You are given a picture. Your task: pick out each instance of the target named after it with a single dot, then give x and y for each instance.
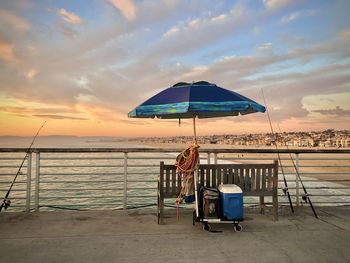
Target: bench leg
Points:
(262, 204)
(275, 207)
(160, 210)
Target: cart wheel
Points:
(206, 227)
(237, 228)
(194, 218)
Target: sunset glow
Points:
(84, 65)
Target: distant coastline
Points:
(321, 139)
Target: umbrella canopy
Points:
(199, 99)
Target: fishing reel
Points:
(285, 190)
(7, 203)
(305, 197)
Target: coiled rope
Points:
(186, 163)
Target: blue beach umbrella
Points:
(199, 99)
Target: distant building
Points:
(342, 142)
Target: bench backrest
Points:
(254, 179)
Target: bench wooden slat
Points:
(173, 182)
(201, 177)
(263, 181)
(253, 182)
(269, 179)
(235, 176)
(207, 177)
(167, 182)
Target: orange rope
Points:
(186, 163)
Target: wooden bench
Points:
(254, 179)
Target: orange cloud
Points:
(69, 17)
(7, 52)
(127, 7)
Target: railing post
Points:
(125, 193)
(297, 180)
(208, 158)
(37, 181)
(215, 158)
(29, 181)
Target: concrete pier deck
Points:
(134, 236)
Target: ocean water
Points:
(85, 181)
(82, 180)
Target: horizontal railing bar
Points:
(152, 158)
(142, 188)
(17, 198)
(323, 159)
(318, 166)
(11, 158)
(176, 150)
(17, 182)
(11, 174)
(317, 180)
(80, 174)
(142, 196)
(142, 181)
(79, 197)
(143, 165)
(13, 190)
(321, 187)
(81, 205)
(81, 189)
(77, 182)
(95, 196)
(250, 159)
(335, 173)
(138, 173)
(324, 194)
(81, 158)
(79, 166)
(12, 166)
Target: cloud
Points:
(103, 70)
(32, 110)
(14, 21)
(344, 36)
(7, 52)
(290, 17)
(276, 4)
(296, 15)
(172, 31)
(31, 74)
(59, 117)
(126, 7)
(67, 31)
(192, 35)
(338, 111)
(69, 17)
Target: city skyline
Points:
(83, 67)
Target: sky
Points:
(83, 65)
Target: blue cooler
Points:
(231, 199)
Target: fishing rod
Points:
(306, 196)
(6, 202)
(285, 189)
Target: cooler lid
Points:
(229, 189)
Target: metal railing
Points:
(111, 178)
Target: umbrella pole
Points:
(195, 174)
(194, 130)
